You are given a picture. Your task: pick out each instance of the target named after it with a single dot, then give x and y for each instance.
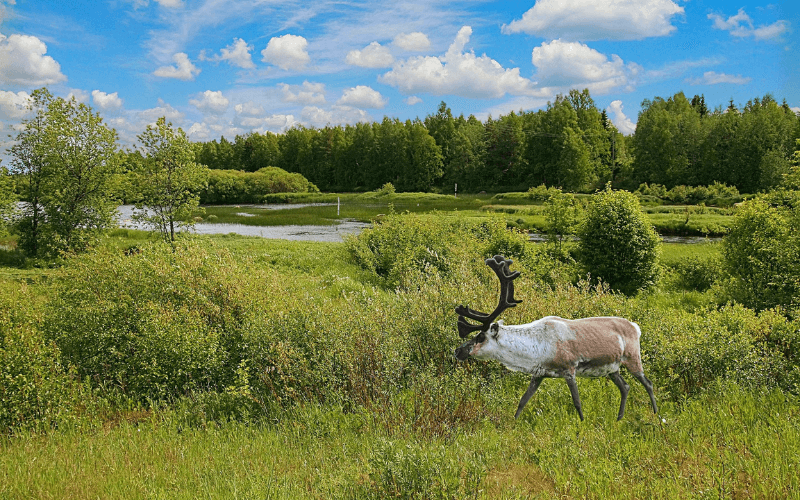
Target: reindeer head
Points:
(487, 329)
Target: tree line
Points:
(570, 144)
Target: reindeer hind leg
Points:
(648, 387)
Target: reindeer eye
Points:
(480, 338)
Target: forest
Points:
(570, 144)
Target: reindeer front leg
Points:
(535, 381)
(573, 389)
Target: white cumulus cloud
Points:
(713, 78)
(362, 96)
(212, 102)
(288, 52)
(575, 65)
(151, 115)
(23, 62)
(597, 19)
(741, 25)
(307, 93)
(106, 102)
(79, 95)
(319, 117)
(618, 118)
(237, 54)
(458, 73)
(182, 70)
(272, 123)
(412, 100)
(416, 41)
(373, 55)
(13, 106)
(249, 108)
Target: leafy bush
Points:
(542, 193)
(155, 324)
(686, 352)
(35, 391)
(400, 245)
(618, 244)
(716, 194)
(236, 186)
(409, 471)
(695, 273)
(761, 253)
(387, 189)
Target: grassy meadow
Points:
(239, 367)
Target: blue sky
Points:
(225, 67)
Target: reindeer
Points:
(553, 347)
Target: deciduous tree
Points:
(169, 179)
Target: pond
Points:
(330, 233)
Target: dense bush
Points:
(400, 470)
(236, 186)
(35, 391)
(154, 324)
(542, 193)
(686, 352)
(762, 255)
(617, 243)
(400, 245)
(714, 194)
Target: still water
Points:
(332, 233)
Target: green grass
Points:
(727, 443)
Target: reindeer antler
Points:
(499, 265)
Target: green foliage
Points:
(762, 255)
(68, 158)
(399, 246)
(690, 351)
(154, 324)
(8, 200)
(542, 192)
(168, 179)
(235, 186)
(714, 194)
(403, 470)
(696, 273)
(561, 217)
(618, 245)
(35, 392)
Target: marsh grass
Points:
(516, 209)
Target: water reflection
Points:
(331, 233)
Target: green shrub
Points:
(618, 245)
(154, 324)
(236, 186)
(542, 193)
(696, 273)
(410, 471)
(36, 393)
(400, 245)
(761, 253)
(687, 352)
